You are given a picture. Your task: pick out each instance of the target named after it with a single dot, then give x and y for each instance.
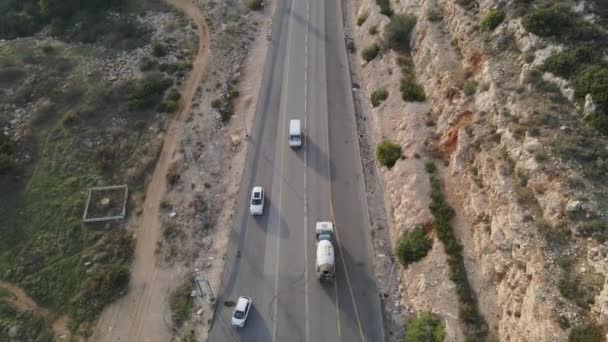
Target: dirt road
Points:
(21, 301)
(143, 314)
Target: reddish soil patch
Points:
(449, 138)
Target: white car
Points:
(256, 206)
(241, 311)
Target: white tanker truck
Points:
(326, 261)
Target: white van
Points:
(295, 133)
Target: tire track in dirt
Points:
(143, 314)
(23, 302)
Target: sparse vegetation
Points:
(429, 166)
(468, 311)
(385, 7)
(412, 91)
(491, 20)
(388, 153)
(435, 14)
(397, 32)
(7, 150)
(370, 52)
(149, 92)
(181, 303)
(30, 327)
(373, 30)
(69, 118)
(254, 5)
(468, 4)
(361, 18)
(470, 88)
(426, 327)
(596, 228)
(586, 333)
(559, 22)
(158, 49)
(413, 246)
(378, 96)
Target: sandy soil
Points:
(24, 303)
(143, 315)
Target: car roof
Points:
(241, 303)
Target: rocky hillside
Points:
(509, 99)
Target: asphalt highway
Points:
(272, 257)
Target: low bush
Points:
(158, 49)
(174, 95)
(378, 96)
(385, 7)
(491, 20)
(559, 22)
(435, 14)
(566, 63)
(373, 30)
(470, 88)
(429, 166)
(426, 327)
(388, 153)
(413, 246)
(361, 18)
(69, 118)
(370, 52)
(397, 32)
(595, 228)
(107, 283)
(168, 106)
(147, 64)
(254, 5)
(468, 4)
(411, 91)
(586, 333)
(149, 92)
(594, 80)
(7, 150)
(181, 303)
(572, 288)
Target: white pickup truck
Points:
(326, 261)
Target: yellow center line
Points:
(282, 141)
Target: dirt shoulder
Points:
(143, 313)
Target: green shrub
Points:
(586, 333)
(429, 166)
(385, 7)
(491, 20)
(559, 22)
(370, 52)
(411, 91)
(397, 32)
(254, 5)
(233, 93)
(435, 14)
(147, 64)
(427, 327)
(158, 49)
(575, 289)
(373, 30)
(168, 106)
(467, 4)
(69, 118)
(413, 246)
(595, 228)
(388, 153)
(378, 96)
(149, 92)
(107, 283)
(566, 63)
(594, 80)
(361, 18)
(181, 303)
(174, 95)
(470, 88)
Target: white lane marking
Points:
(282, 115)
(305, 174)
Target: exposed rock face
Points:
(491, 165)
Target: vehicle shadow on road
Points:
(317, 159)
(302, 21)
